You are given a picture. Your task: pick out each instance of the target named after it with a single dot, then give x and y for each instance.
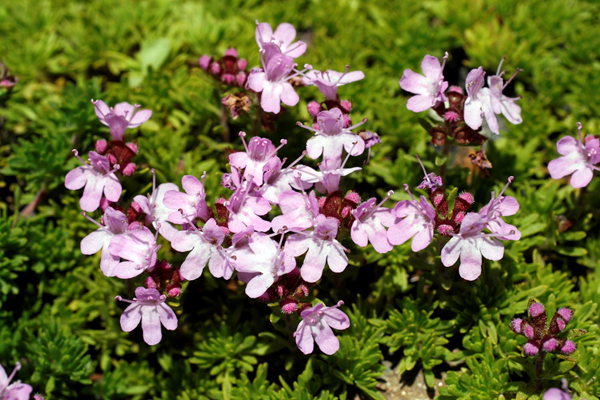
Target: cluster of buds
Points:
(7, 80)
(462, 113)
(288, 293)
(229, 69)
(162, 277)
(541, 337)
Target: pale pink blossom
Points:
(148, 306)
(429, 89)
(97, 177)
(479, 102)
(417, 222)
(115, 223)
(330, 80)
(15, 390)
(254, 160)
(370, 220)
(245, 208)
(139, 248)
(121, 117)
(281, 41)
(578, 159)
(316, 326)
(188, 205)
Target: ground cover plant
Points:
(296, 200)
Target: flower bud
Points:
(129, 169)
(241, 78)
(565, 313)
(231, 52)
(536, 309)
(301, 291)
(289, 306)
(451, 117)
(528, 331)
(104, 204)
(150, 283)
(242, 64)
(281, 291)
(568, 348)
(455, 89)
(313, 108)
(445, 229)
(515, 325)
(112, 159)
(466, 196)
(458, 217)
(530, 349)
(132, 146)
(204, 62)
(550, 345)
(353, 197)
(228, 79)
(215, 68)
(346, 105)
(347, 121)
(101, 146)
(346, 211)
(265, 297)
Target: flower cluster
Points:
(541, 337)
(7, 80)
(281, 258)
(462, 113)
(579, 158)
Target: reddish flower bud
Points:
(568, 348)
(565, 313)
(313, 108)
(346, 105)
(445, 229)
(455, 89)
(215, 68)
(101, 146)
(241, 78)
(550, 345)
(353, 197)
(347, 121)
(515, 325)
(530, 349)
(231, 52)
(528, 331)
(458, 217)
(129, 169)
(132, 146)
(301, 291)
(536, 309)
(204, 62)
(289, 306)
(112, 159)
(451, 117)
(228, 79)
(150, 283)
(104, 204)
(467, 197)
(242, 64)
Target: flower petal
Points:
(131, 317)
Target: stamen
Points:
(500, 66)
(389, 194)
(76, 154)
(116, 167)
(296, 161)
(341, 76)
(119, 298)
(512, 77)
(579, 126)
(91, 219)
(283, 143)
(190, 222)
(94, 102)
(443, 65)
(301, 125)
(423, 167)
(242, 135)
(357, 125)
(154, 194)
(136, 108)
(348, 155)
(12, 374)
(510, 179)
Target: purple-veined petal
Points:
(131, 317)
(325, 338)
(151, 325)
(77, 177)
(304, 339)
(167, 316)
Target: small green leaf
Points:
(572, 251)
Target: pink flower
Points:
(429, 89)
(479, 102)
(577, 159)
(115, 223)
(330, 80)
(369, 225)
(16, 390)
(266, 261)
(157, 213)
(97, 177)
(299, 211)
(418, 221)
(273, 83)
(328, 179)
(322, 248)
(331, 137)
(501, 103)
(139, 248)
(192, 203)
(121, 117)
(470, 244)
(501, 206)
(279, 41)
(556, 394)
(316, 326)
(149, 307)
(277, 180)
(254, 160)
(205, 248)
(245, 207)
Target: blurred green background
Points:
(58, 315)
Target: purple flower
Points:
(16, 390)
(328, 81)
(331, 137)
(577, 159)
(157, 213)
(148, 306)
(328, 179)
(191, 204)
(316, 326)
(501, 206)
(429, 89)
(431, 181)
(97, 177)
(418, 221)
(254, 160)
(322, 248)
(115, 223)
(205, 247)
(370, 220)
(279, 41)
(501, 103)
(273, 83)
(266, 260)
(278, 180)
(470, 244)
(121, 117)
(245, 206)
(479, 102)
(299, 211)
(139, 248)
(556, 394)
